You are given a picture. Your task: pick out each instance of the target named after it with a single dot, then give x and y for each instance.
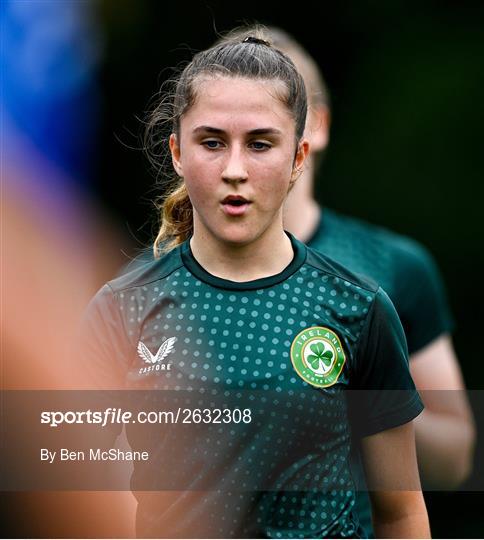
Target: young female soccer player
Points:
(236, 306)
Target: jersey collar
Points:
(197, 270)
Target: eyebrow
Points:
(218, 131)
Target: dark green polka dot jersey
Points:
(289, 352)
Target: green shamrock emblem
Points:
(319, 355)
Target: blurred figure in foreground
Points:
(56, 244)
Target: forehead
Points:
(240, 101)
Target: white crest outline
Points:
(165, 349)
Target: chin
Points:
(238, 232)
(237, 239)
(237, 236)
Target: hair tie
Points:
(251, 39)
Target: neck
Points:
(301, 211)
(265, 256)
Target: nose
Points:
(235, 169)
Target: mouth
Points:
(235, 205)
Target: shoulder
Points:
(120, 306)
(146, 271)
(330, 267)
(402, 249)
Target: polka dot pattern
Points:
(230, 342)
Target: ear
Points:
(301, 154)
(175, 155)
(317, 129)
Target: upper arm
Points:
(101, 348)
(382, 469)
(392, 476)
(437, 375)
(101, 354)
(383, 413)
(435, 367)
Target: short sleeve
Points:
(420, 298)
(101, 348)
(101, 352)
(385, 395)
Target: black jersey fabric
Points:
(288, 473)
